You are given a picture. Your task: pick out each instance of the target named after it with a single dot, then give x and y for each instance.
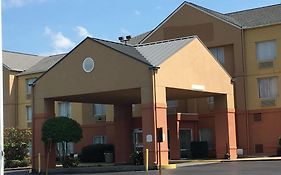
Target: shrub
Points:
(95, 152)
(61, 130)
(17, 163)
(199, 150)
(16, 143)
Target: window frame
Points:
(28, 120)
(268, 90)
(28, 88)
(262, 42)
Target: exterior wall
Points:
(9, 100)
(23, 100)
(266, 131)
(214, 33)
(253, 71)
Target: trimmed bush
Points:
(17, 163)
(199, 150)
(95, 152)
(16, 145)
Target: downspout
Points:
(16, 101)
(245, 89)
(33, 158)
(154, 71)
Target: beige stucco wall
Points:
(194, 65)
(253, 71)
(214, 33)
(9, 100)
(23, 100)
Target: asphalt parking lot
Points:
(225, 168)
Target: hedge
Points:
(95, 152)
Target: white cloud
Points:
(137, 12)
(59, 42)
(19, 3)
(82, 32)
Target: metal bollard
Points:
(39, 163)
(146, 159)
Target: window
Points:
(211, 102)
(206, 134)
(28, 83)
(64, 109)
(266, 51)
(28, 114)
(99, 111)
(268, 87)
(218, 53)
(99, 140)
(172, 106)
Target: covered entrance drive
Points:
(104, 72)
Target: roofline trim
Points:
(259, 26)
(97, 40)
(176, 10)
(34, 83)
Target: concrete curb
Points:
(254, 159)
(80, 170)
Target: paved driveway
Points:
(227, 168)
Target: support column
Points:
(225, 129)
(174, 127)
(154, 115)
(123, 132)
(42, 111)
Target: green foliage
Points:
(61, 129)
(95, 152)
(16, 143)
(17, 163)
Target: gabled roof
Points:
(152, 54)
(43, 65)
(16, 61)
(251, 18)
(258, 17)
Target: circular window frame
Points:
(86, 67)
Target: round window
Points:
(88, 64)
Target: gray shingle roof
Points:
(152, 54)
(258, 17)
(137, 39)
(19, 61)
(43, 65)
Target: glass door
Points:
(185, 143)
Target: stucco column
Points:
(225, 129)
(154, 115)
(42, 110)
(123, 132)
(174, 127)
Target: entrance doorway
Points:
(185, 143)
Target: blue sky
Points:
(54, 26)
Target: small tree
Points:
(16, 145)
(61, 130)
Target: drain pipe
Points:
(154, 70)
(245, 89)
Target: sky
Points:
(47, 27)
